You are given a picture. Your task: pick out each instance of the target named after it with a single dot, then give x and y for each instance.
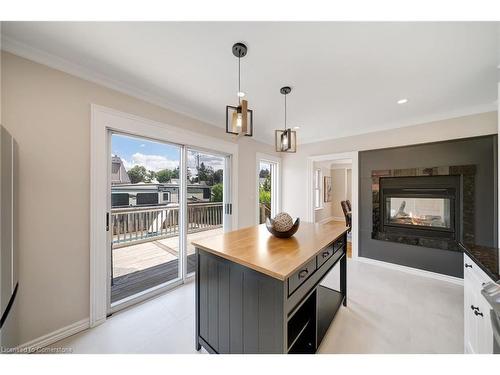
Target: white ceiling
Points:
(346, 77)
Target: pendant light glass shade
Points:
(239, 119)
(285, 139)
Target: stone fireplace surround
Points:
(467, 172)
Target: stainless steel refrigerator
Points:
(9, 286)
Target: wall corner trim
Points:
(52, 337)
(411, 270)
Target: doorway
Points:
(162, 197)
(333, 188)
(153, 216)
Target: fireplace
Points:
(421, 206)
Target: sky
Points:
(156, 156)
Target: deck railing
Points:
(142, 224)
(264, 212)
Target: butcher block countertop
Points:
(256, 248)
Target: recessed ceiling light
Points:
(296, 127)
(241, 94)
(402, 101)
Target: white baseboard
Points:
(52, 337)
(327, 219)
(338, 218)
(414, 271)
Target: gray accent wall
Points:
(480, 151)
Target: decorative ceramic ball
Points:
(282, 222)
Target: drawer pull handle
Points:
(468, 265)
(325, 254)
(474, 308)
(478, 313)
(303, 274)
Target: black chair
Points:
(347, 214)
(349, 205)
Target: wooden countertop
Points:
(256, 248)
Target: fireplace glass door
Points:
(419, 212)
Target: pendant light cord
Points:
(239, 80)
(285, 111)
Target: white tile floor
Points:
(388, 312)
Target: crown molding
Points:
(15, 47)
(34, 54)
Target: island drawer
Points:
(338, 243)
(324, 255)
(301, 275)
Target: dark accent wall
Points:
(479, 151)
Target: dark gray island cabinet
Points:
(259, 294)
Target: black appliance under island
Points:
(256, 293)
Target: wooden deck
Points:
(132, 283)
(142, 266)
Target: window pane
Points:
(265, 191)
(144, 220)
(205, 196)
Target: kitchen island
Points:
(256, 293)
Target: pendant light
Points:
(286, 139)
(239, 119)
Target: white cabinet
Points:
(478, 334)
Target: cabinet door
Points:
(484, 330)
(470, 327)
(478, 334)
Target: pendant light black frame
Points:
(287, 133)
(230, 109)
(239, 50)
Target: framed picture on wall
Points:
(327, 188)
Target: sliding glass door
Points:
(206, 192)
(162, 197)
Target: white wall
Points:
(295, 165)
(349, 184)
(48, 112)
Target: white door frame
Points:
(104, 119)
(276, 185)
(354, 186)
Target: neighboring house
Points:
(150, 194)
(119, 174)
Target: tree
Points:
(266, 185)
(265, 197)
(138, 173)
(165, 175)
(150, 176)
(217, 192)
(175, 173)
(205, 174)
(265, 191)
(218, 176)
(264, 173)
